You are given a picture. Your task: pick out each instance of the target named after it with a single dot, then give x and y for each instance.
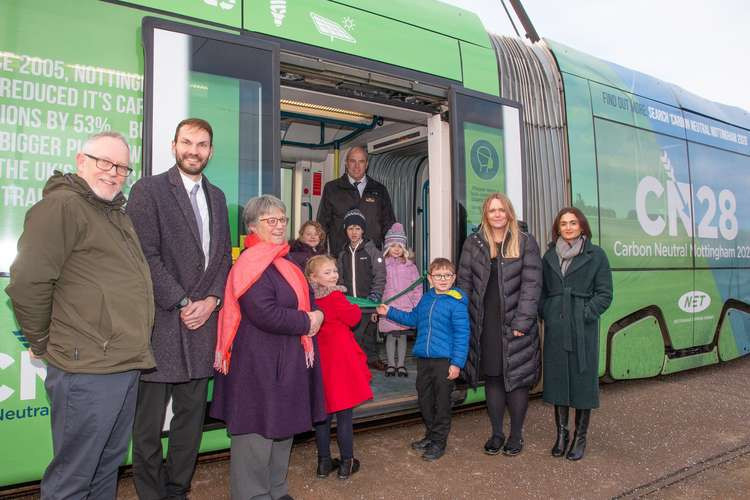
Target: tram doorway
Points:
(317, 131)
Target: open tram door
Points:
(487, 157)
(230, 81)
(486, 135)
(408, 152)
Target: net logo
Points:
(694, 301)
(680, 204)
(222, 4)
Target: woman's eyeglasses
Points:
(274, 221)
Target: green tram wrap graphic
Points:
(666, 192)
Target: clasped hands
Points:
(196, 313)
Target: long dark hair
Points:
(582, 221)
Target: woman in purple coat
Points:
(273, 387)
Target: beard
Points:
(187, 168)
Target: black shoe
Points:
(433, 452)
(326, 465)
(578, 446)
(347, 467)
(286, 497)
(512, 449)
(422, 444)
(402, 371)
(563, 435)
(494, 444)
(390, 371)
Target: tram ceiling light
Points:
(320, 111)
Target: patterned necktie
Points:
(196, 211)
(356, 186)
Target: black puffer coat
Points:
(520, 287)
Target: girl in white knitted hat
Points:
(400, 273)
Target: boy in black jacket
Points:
(362, 272)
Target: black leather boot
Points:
(579, 438)
(563, 435)
(347, 467)
(326, 465)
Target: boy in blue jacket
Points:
(442, 322)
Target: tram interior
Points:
(314, 125)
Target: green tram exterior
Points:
(661, 174)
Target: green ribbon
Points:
(366, 303)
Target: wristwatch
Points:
(184, 302)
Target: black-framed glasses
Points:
(443, 277)
(107, 165)
(273, 221)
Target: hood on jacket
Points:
(454, 292)
(76, 184)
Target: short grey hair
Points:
(111, 134)
(259, 206)
(351, 150)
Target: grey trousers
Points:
(92, 418)
(258, 467)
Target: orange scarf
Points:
(245, 272)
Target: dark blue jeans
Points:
(92, 418)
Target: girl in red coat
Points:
(346, 378)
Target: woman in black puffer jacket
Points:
(501, 272)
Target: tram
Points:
(448, 113)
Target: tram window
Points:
(485, 138)
(232, 84)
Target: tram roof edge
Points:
(432, 15)
(605, 72)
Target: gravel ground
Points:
(663, 437)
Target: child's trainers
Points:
(433, 452)
(422, 444)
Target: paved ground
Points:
(728, 480)
(681, 436)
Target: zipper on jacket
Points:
(429, 325)
(353, 251)
(75, 354)
(139, 263)
(502, 315)
(105, 345)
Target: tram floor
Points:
(680, 436)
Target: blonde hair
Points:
(510, 246)
(406, 256)
(318, 229)
(315, 262)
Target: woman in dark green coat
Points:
(577, 289)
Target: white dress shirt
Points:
(361, 185)
(200, 198)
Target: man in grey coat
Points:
(183, 225)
